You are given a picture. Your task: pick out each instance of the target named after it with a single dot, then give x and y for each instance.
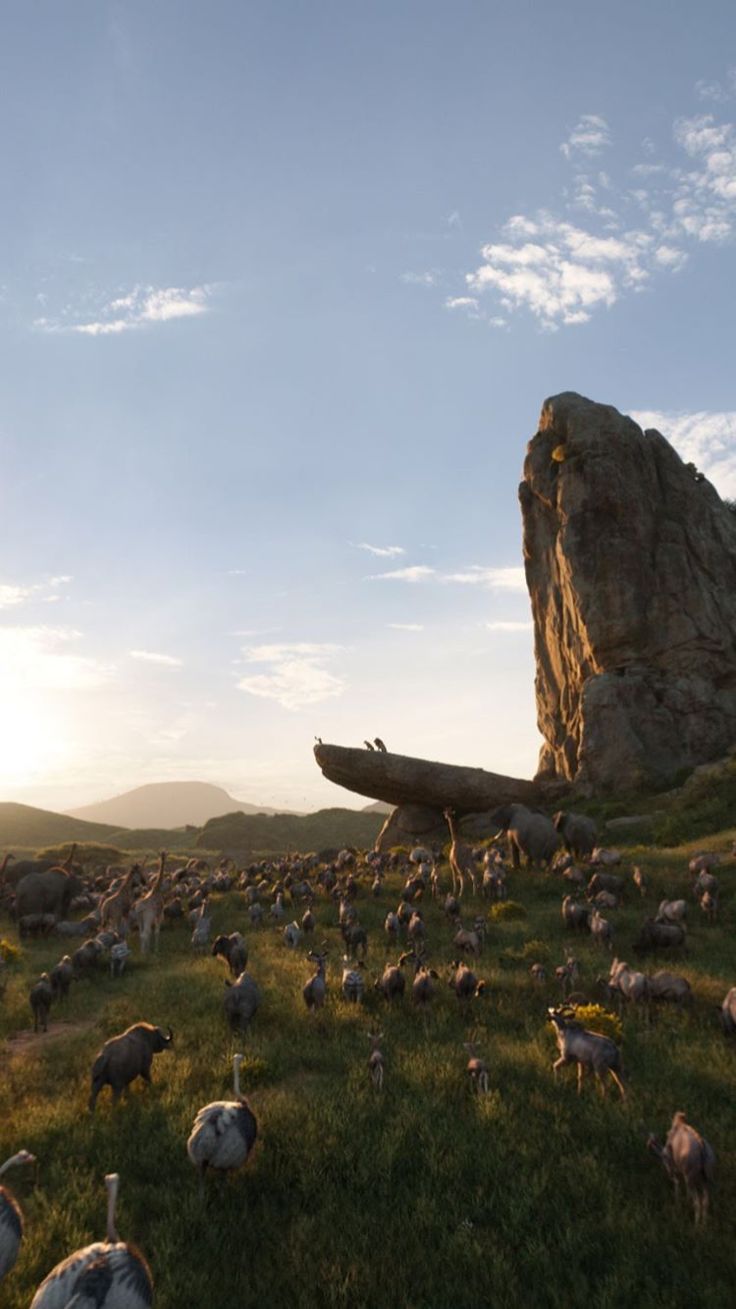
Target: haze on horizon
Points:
(284, 287)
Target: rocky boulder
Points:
(630, 558)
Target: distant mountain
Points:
(378, 807)
(167, 804)
(24, 825)
(281, 833)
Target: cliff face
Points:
(630, 559)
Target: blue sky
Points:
(282, 282)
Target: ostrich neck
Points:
(112, 1195)
(236, 1080)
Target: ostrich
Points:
(461, 857)
(11, 1216)
(224, 1132)
(108, 1274)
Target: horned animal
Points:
(589, 1050)
(686, 1156)
(315, 990)
(125, 1057)
(233, 950)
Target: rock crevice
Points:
(630, 559)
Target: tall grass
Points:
(422, 1197)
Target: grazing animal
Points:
(669, 988)
(579, 834)
(422, 987)
(709, 905)
(601, 930)
(292, 935)
(202, 928)
(376, 1061)
(464, 982)
(529, 833)
(61, 977)
(659, 936)
(242, 998)
(224, 1131)
(728, 1012)
(471, 942)
(124, 1058)
(639, 880)
(41, 998)
(149, 910)
(687, 1156)
(671, 911)
(353, 983)
(108, 1274)
(605, 882)
(85, 958)
(477, 1069)
(589, 1050)
(567, 975)
(11, 1215)
(575, 915)
(233, 950)
(606, 858)
(628, 984)
(315, 990)
(379, 744)
(369, 745)
(119, 955)
(461, 859)
(392, 984)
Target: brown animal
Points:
(462, 863)
(686, 1156)
(125, 1057)
(149, 910)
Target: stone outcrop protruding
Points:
(401, 780)
(630, 558)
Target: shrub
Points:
(598, 1019)
(507, 910)
(9, 953)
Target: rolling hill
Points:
(283, 832)
(24, 825)
(166, 805)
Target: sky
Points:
(283, 287)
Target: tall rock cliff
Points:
(630, 559)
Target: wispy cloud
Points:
(154, 657)
(406, 627)
(504, 579)
(716, 91)
(501, 579)
(382, 551)
(141, 307)
(589, 137)
(295, 674)
(414, 573)
(20, 593)
(705, 438)
(40, 658)
(508, 626)
(429, 278)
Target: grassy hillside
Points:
(421, 1197)
(24, 825)
(283, 832)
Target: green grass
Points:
(422, 1197)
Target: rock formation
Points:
(630, 558)
(401, 780)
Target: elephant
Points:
(49, 892)
(578, 833)
(530, 833)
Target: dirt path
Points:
(25, 1040)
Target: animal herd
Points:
(327, 890)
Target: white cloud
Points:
(502, 579)
(14, 593)
(296, 675)
(153, 657)
(141, 307)
(38, 658)
(705, 438)
(420, 279)
(562, 272)
(589, 137)
(719, 92)
(415, 573)
(407, 627)
(508, 627)
(382, 551)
